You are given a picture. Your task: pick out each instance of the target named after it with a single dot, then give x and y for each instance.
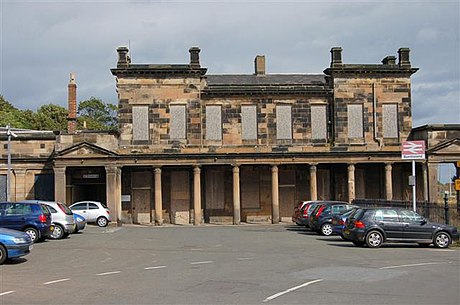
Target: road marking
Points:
(410, 265)
(245, 258)
(156, 267)
(291, 290)
(200, 263)
(442, 250)
(6, 292)
(56, 281)
(108, 273)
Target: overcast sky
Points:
(43, 41)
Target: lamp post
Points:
(9, 133)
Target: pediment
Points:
(446, 148)
(85, 150)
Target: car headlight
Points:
(19, 240)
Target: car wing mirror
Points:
(423, 221)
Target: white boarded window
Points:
(355, 121)
(177, 124)
(140, 123)
(390, 121)
(249, 122)
(318, 122)
(213, 123)
(283, 122)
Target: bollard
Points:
(446, 207)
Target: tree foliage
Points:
(96, 115)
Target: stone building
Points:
(196, 148)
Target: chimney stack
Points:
(123, 58)
(72, 99)
(389, 61)
(336, 57)
(195, 57)
(259, 65)
(404, 57)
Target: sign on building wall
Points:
(413, 150)
(457, 184)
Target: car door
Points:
(13, 216)
(81, 209)
(93, 211)
(415, 226)
(388, 220)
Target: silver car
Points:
(61, 217)
(93, 211)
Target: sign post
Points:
(413, 150)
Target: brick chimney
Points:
(72, 98)
(259, 65)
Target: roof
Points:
(266, 79)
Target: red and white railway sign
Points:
(413, 150)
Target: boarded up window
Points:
(215, 190)
(249, 122)
(140, 123)
(213, 123)
(390, 121)
(283, 122)
(177, 125)
(355, 121)
(250, 189)
(44, 187)
(318, 122)
(2, 188)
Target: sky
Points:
(42, 42)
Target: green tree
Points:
(97, 115)
(49, 117)
(9, 115)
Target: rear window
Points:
(45, 209)
(358, 214)
(65, 209)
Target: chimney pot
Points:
(195, 57)
(259, 65)
(404, 57)
(336, 57)
(123, 58)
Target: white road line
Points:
(108, 273)
(200, 263)
(156, 267)
(56, 281)
(410, 265)
(6, 292)
(291, 290)
(245, 258)
(442, 250)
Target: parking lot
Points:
(211, 264)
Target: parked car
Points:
(14, 244)
(298, 211)
(80, 222)
(93, 211)
(30, 217)
(305, 212)
(339, 222)
(375, 226)
(61, 217)
(321, 217)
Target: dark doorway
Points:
(87, 183)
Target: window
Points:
(318, 122)
(79, 207)
(249, 122)
(92, 206)
(390, 120)
(214, 123)
(44, 187)
(386, 215)
(355, 121)
(178, 123)
(2, 187)
(52, 210)
(283, 122)
(410, 216)
(140, 123)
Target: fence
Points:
(432, 211)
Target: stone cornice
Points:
(158, 70)
(348, 69)
(255, 90)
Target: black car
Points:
(374, 226)
(321, 217)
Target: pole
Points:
(414, 195)
(8, 176)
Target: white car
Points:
(93, 211)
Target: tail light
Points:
(320, 210)
(359, 224)
(108, 211)
(42, 218)
(305, 211)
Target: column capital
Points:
(235, 169)
(274, 168)
(111, 169)
(59, 170)
(388, 166)
(157, 170)
(19, 171)
(313, 167)
(197, 169)
(351, 166)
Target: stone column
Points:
(113, 191)
(275, 196)
(313, 183)
(60, 184)
(20, 185)
(433, 177)
(197, 195)
(388, 181)
(425, 181)
(351, 182)
(236, 196)
(158, 198)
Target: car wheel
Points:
(58, 232)
(33, 233)
(102, 221)
(442, 240)
(3, 254)
(374, 239)
(326, 229)
(358, 243)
